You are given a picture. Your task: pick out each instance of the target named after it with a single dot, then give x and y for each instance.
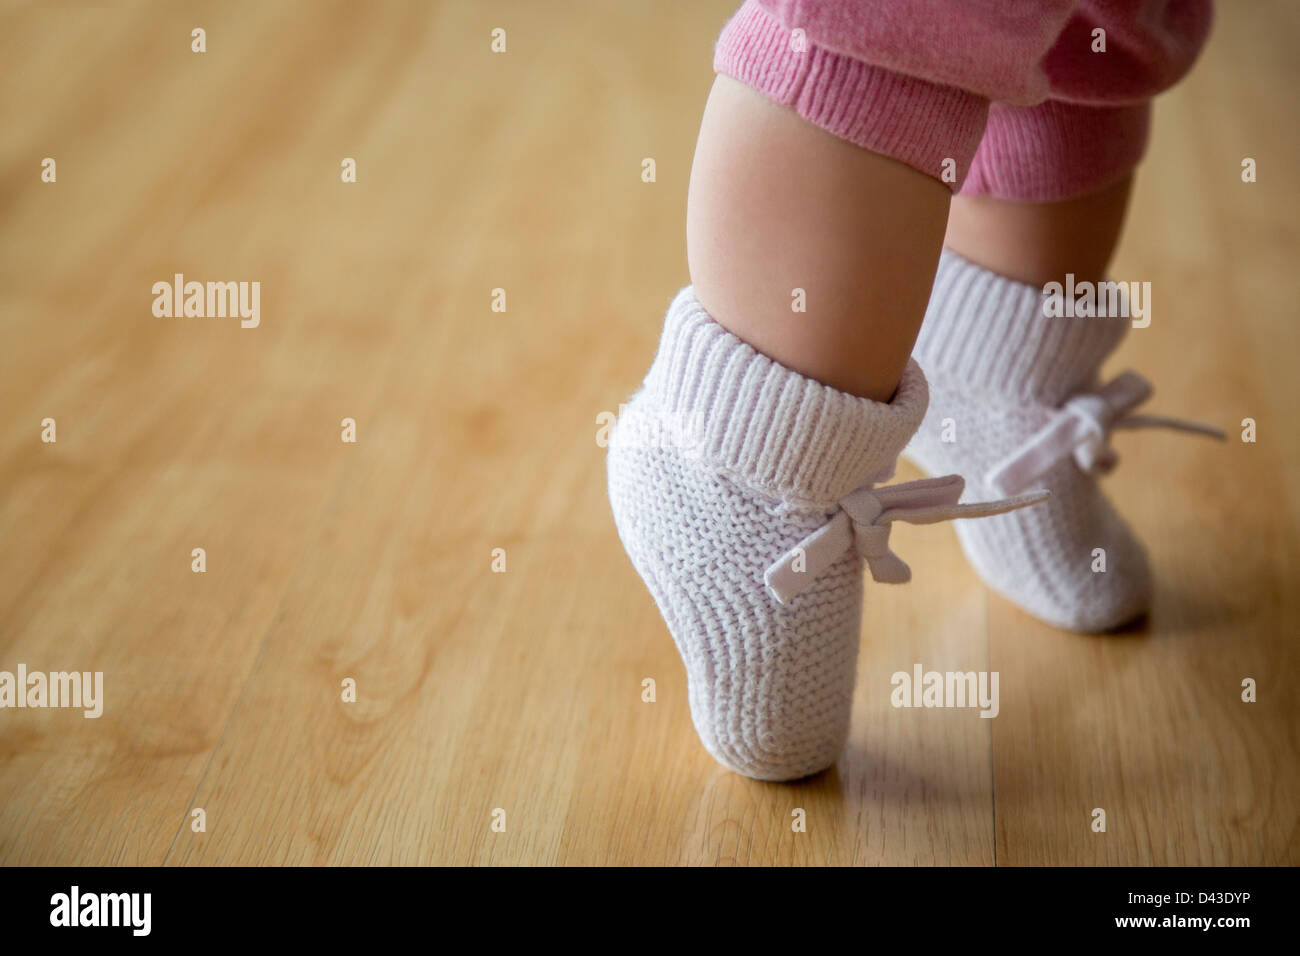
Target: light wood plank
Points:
(477, 430)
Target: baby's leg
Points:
(1003, 368)
(742, 474)
(1040, 242)
(783, 384)
(816, 252)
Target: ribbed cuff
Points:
(913, 121)
(768, 426)
(988, 335)
(1056, 150)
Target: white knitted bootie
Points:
(744, 495)
(1015, 403)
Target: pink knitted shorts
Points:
(1019, 99)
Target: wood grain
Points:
(477, 430)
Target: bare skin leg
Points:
(1039, 242)
(777, 204)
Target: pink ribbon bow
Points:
(863, 522)
(1082, 427)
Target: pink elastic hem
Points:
(913, 121)
(1055, 151)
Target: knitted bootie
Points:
(744, 494)
(1015, 403)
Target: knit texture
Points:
(917, 81)
(1056, 151)
(914, 121)
(1000, 370)
(1013, 51)
(721, 463)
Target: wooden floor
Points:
(476, 429)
